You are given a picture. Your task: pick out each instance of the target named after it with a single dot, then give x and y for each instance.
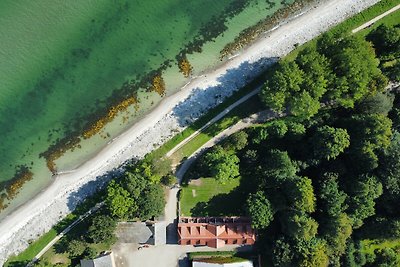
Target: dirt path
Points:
(260, 117)
(213, 120)
(372, 21)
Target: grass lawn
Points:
(251, 106)
(207, 191)
(371, 245)
(26, 256)
(161, 151)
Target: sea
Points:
(62, 63)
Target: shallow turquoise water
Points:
(61, 61)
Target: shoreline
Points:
(172, 113)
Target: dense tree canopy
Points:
(102, 229)
(329, 142)
(260, 210)
(222, 164)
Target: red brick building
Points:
(215, 231)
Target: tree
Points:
(362, 199)
(386, 257)
(284, 81)
(169, 180)
(386, 40)
(354, 66)
(222, 165)
(380, 103)
(236, 141)
(300, 193)
(278, 165)
(260, 210)
(331, 200)
(282, 253)
(369, 134)
(299, 226)
(151, 203)
(277, 128)
(313, 253)
(337, 232)
(90, 253)
(329, 142)
(304, 105)
(317, 72)
(102, 229)
(75, 248)
(118, 201)
(389, 169)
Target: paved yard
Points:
(162, 256)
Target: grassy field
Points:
(207, 191)
(371, 245)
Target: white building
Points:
(199, 263)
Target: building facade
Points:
(215, 232)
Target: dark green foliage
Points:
(236, 141)
(102, 229)
(169, 180)
(362, 199)
(380, 103)
(278, 165)
(389, 170)
(313, 253)
(386, 258)
(260, 210)
(282, 253)
(89, 253)
(300, 193)
(370, 134)
(299, 226)
(329, 142)
(119, 201)
(76, 247)
(386, 40)
(341, 70)
(136, 194)
(221, 164)
(151, 203)
(331, 200)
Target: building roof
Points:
(102, 261)
(233, 264)
(215, 231)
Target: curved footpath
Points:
(172, 115)
(259, 117)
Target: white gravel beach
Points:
(170, 116)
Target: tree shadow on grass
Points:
(17, 264)
(229, 204)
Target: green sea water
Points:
(63, 61)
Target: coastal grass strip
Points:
(247, 108)
(22, 259)
(162, 150)
(27, 255)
